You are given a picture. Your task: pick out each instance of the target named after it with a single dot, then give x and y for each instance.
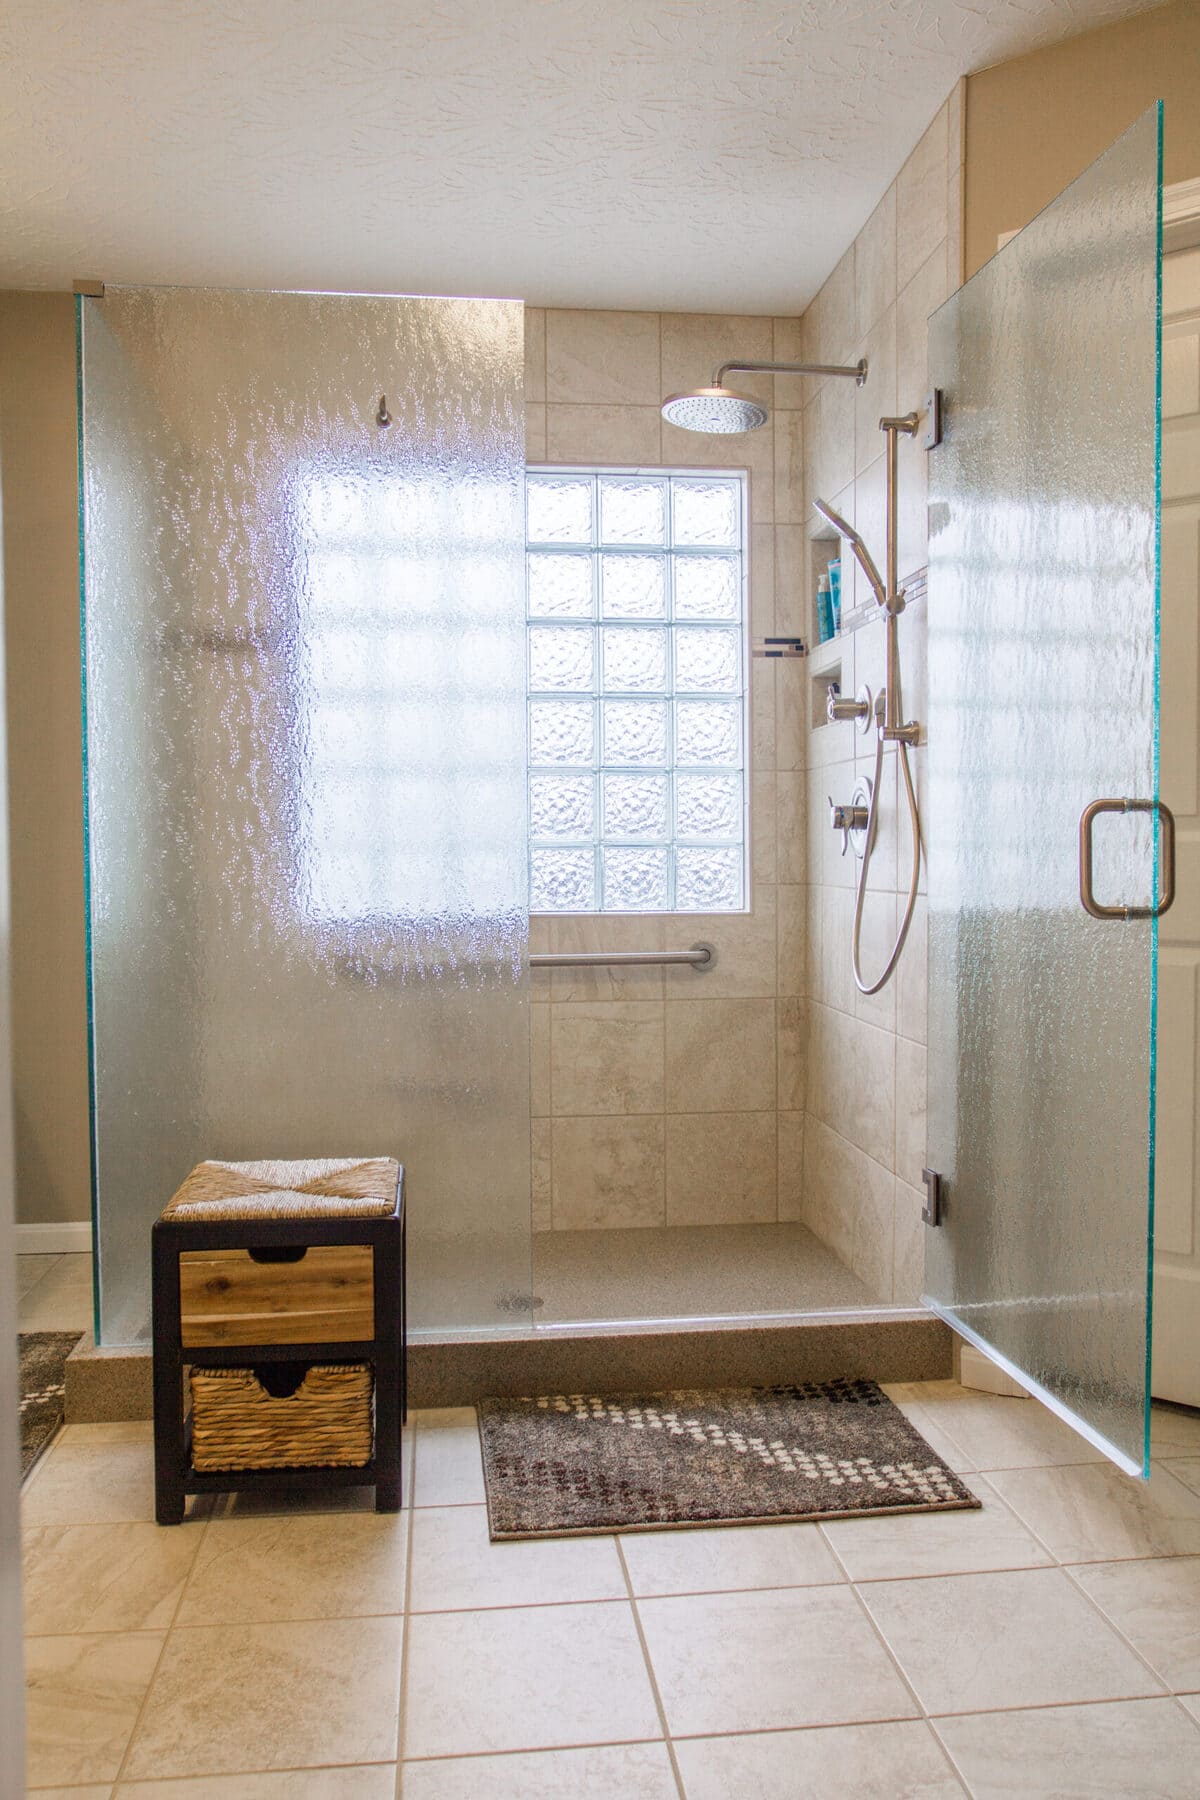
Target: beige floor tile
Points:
(734, 1556)
(74, 1793)
(367, 1781)
(449, 1464)
(969, 1643)
(952, 1543)
(1006, 1434)
(82, 1578)
(533, 1678)
(256, 1571)
(849, 1762)
(256, 1697)
(456, 1567)
(1097, 1514)
(939, 1440)
(94, 1484)
(1138, 1750)
(1187, 1471)
(1174, 1432)
(1157, 1606)
(82, 1700)
(616, 1772)
(30, 1270)
(115, 1431)
(768, 1660)
(1191, 1705)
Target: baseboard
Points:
(66, 1237)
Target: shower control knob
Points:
(847, 819)
(859, 708)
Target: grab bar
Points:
(700, 956)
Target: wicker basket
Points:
(325, 1423)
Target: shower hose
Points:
(873, 987)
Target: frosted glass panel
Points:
(307, 794)
(1043, 695)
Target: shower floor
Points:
(689, 1272)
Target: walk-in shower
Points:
(720, 410)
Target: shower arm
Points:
(858, 370)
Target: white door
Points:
(1176, 1365)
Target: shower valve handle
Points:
(847, 819)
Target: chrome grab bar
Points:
(1086, 895)
(700, 956)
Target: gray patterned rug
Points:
(565, 1465)
(43, 1388)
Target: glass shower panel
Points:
(304, 644)
(1043, 682)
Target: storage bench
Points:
(279, 1288)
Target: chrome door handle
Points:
(1166, 819)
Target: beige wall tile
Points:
(791, 799)
(602, 434)
(539, 1061)
(539, 1167)
(720, 1056)
(876, 941)
(789, 466)
(921, 200)
(745, 946)
(851, 1081)
(875, 264)
(829, 329)
(762, 580)
(908, 1276)
(721, 1168)
(849, 1203)
(788, 340)
(790, 1151)
(876, 398)
(792, 1053)
(956, 120)
(607, 1172)
(791, 707)
(748, 450)
(792, 946)
(912, 974)
(762, 829)
(792, 552)
(828, 444)
(955, 234)
(610, 358)
(535, 354)
(607, 1057)
(910, 1111)
(695, 344)
(607, 931)
(762, 715)
(535, 434)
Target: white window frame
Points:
(596, 471)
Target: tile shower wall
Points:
(669, 1096)
(864, 1129)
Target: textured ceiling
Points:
(691, 154)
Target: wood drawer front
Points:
(328, 1297)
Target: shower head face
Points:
(717, 410)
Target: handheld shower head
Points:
(844, 529)
(714, 409)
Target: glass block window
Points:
(637, 690)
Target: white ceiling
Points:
(701, 155)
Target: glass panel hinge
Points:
(931, 1212)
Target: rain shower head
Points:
(714, 409)
(722, 410)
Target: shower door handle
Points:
(1166, 819)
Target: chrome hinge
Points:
(931, 1212)
(933, 420)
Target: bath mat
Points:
(566, 1465)
(43, 1388)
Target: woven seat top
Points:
(326, 1188)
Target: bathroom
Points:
(700, 1163)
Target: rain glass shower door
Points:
(305, 743)
(1043, 680)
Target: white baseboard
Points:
(49, 1240)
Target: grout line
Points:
(166, 1638)
(402, 1707)
(653, 1679)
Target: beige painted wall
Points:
(864, 1135)
(1035, 123)
(671, 1095)
(41, 572)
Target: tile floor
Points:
(311, 1650)
(54, 1293)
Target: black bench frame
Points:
(386, 1352)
